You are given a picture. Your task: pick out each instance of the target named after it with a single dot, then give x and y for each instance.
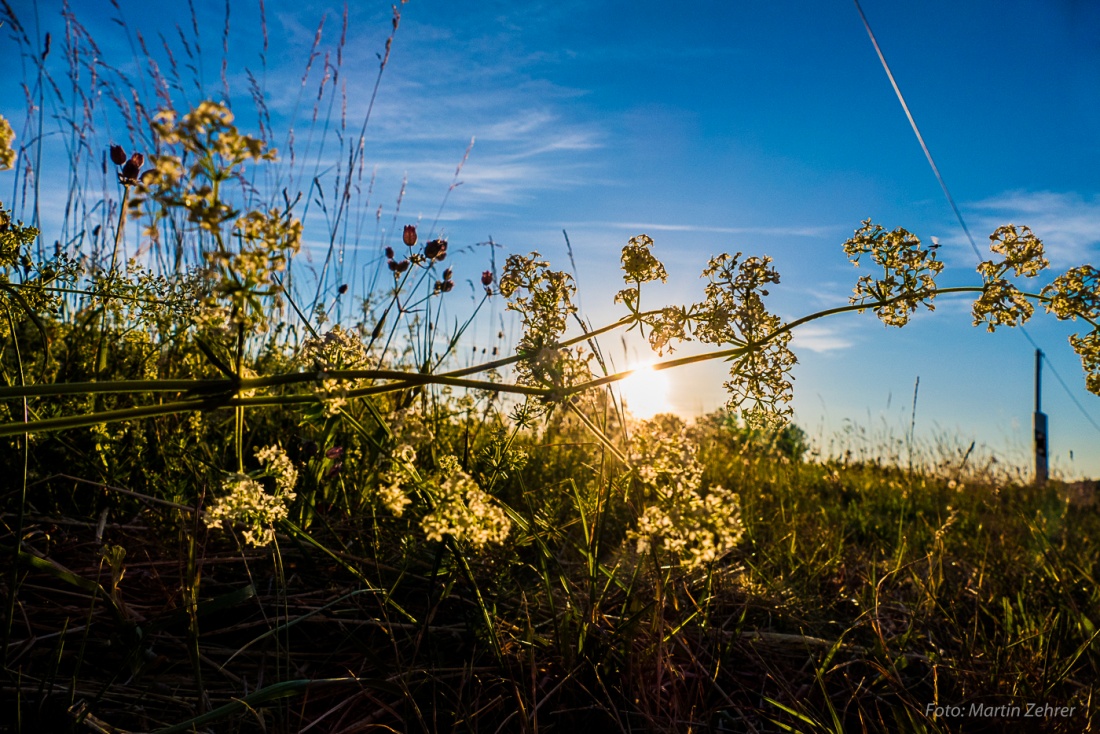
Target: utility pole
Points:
(1042, 468)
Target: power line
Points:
(1061, 382)
(951, 201)
(916, 130)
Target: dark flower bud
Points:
(436, 250)
(342, 289)
(334, 470)
(389, 253)
(409, 235)
(445, 286)
(448, 273)
(132, 168)
(118, 155)
(399, 267)
(487, 278)
(336, 452)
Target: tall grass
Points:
(241, 503)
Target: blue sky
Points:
(766, 128)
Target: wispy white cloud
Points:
(807, 231)
(820, 339)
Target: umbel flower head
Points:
(7, 137)
(681, 520)
(244, 500)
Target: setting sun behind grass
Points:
(646, 392)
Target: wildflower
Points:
(436, 250)
(398, 267)
(393, 496)
(697, 529)
(389, 253)
(243, 500)
(1001, 302)
(487, 278)
(278, 465)
(463, 510)
(118, 155)
(1077, 294)
(131, 169)
(909, 272)
(7, 137)
(338, 349)
(639, 265)
(409, 235)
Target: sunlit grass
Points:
(232, 509)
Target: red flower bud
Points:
(436, 250)
(409, 235)
(132, 168)
(389, 253)
(399, 267)
(118, 155)
(487, 278)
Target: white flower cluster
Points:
(278, 465)
(391, 493)
(243, 499)
(698, 530)
(334, 396)
(681, 521)
(338, 349)
(463, 511)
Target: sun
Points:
(646, 392)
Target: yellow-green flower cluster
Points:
(463, 510)
(681, 520)
(1001, 302)
(7, 153)
(734, 313)
(279, 466)
(909, 272)
(544, 300)
(1076, 294)
(391, 489)
(639, 266)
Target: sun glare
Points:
(646, 392)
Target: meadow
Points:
(244, 495)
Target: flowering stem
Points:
(220, 393)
